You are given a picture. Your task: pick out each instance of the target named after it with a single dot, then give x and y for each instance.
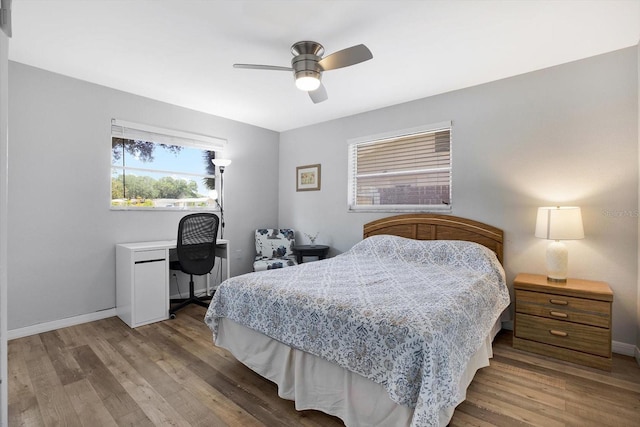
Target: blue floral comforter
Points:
(404, 313)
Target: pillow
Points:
(453, 253)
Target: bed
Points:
(389, 333)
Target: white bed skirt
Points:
(315, 383)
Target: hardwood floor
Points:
(169, 373)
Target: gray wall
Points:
(565, 135)
(61, 258)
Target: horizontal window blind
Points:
(408, 171)
(141, 132)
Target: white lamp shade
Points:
(559, 223)
(221, 162)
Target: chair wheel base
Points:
(202, 301)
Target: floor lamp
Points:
(221, 164)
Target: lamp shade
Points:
(221, 162)
(559, 223)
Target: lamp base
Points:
(557, 262)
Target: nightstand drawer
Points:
(560, 333)
(571, 309)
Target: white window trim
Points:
(387, 135)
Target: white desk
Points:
(142, 279)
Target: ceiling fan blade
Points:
(346, 57)
(319, 94)
(262, 67)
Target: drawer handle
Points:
(558, 302)
(558, 314)
(558, 333)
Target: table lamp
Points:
(557, 224)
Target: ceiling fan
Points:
(308, 64)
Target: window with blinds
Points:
(406, 170)
(155, 168)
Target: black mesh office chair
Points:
(196, 249)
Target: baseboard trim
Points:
(623, 348)
(72, 321)
(637, 355)
(58, 324)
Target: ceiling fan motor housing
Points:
(306, 66)
(305, 62)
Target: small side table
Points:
(307, 250)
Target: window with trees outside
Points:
(407, 170)
(155, 168)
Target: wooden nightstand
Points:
(569, 321)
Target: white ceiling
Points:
(182, 51)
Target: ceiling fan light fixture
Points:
(308, 64)
(307, 83)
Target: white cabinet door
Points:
(150, 299)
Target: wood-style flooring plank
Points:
(527, 412)
(54, 403)
(248, 383)
(465, 420)
(473, 414)
(63, 362)
(88, 405)
(177, 396)
(23, 406)
(104, 373)
(225, 410)
(515, 391)
(630, 383)
(133, 382)
(110, 391)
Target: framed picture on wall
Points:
(308, 178)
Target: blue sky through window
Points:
(187, 161)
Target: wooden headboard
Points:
(438, 227)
